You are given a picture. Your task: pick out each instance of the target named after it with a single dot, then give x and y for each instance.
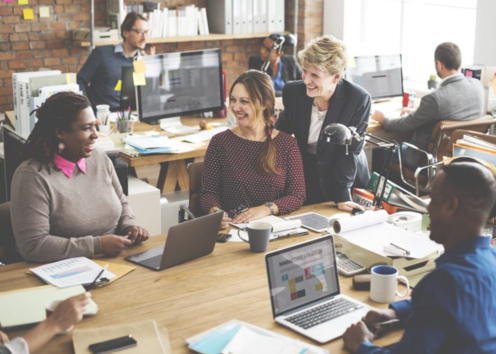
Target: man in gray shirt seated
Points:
(102, 70)
(457, 98)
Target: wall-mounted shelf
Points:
(210, 37)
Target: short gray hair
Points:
(326, 53)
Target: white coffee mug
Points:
(384, 284)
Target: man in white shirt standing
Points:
(457, 98)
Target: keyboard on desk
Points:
(153, 262)
(323, 313)
(204, 135)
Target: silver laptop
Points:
(304, 291)
(186, 241)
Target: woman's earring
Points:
(61, 147)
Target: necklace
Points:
(241, 130)
(320, 115)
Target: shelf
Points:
(211, 37)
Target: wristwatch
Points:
(271, 207)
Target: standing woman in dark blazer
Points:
(321, 98)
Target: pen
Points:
(293, 234)
(385, 323)
(401, 248)
(98, 276)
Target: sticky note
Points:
(44, 13)
(7, 0)
(22, 2)
(493, 85)
(139, 79)
(351, 62)
(118, 86)
(139, 66)
(68, 78)
(28, 14)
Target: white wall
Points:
(485, 44)
(334, 18)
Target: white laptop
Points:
(304, 291)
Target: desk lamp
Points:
(340, 134)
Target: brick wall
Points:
(28, 45)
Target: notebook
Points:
(27, 306)
(305, 294)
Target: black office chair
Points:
(195, 170)
(7, 239)
(13, 146)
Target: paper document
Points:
(370, 231)
(242, 338)
(147, 142)
(248, 342)
(72, 271)
(277, 223)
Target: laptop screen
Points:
(302, 274)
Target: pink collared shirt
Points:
(67, 167)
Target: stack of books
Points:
(472, 146)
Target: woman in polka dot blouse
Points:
(252, 170)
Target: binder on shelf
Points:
(280, 16)
(271, 16)
(247, 13)
(172, 23)
(260, 16)
(204, 21)
(237, 17)
(220, 16)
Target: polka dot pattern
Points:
(230, 180)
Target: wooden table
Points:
(230, 283)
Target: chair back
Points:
(443, 130)
(195, 171)
(7, 239)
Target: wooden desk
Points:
(172, 166)
(230, 283)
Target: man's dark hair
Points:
(474, 185)
(449, 54)
(129, 21)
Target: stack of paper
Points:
(72, 271)
(152, 144)
(237, 337)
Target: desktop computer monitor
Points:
(128, 93)
(380, 75)
(179, 84)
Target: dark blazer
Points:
(291, 71)
(349, 105)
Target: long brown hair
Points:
(261, 92)
(58, 112)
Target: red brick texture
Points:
(28, 45)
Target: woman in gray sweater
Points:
(66, 198)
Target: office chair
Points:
(194, 171)
(421, 173)
(13, 145)
(7, 238)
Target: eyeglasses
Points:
(140, 31)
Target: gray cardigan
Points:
(457, 98)
(55, 217)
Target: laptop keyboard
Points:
(153, 262)
(323, 313)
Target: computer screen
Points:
(128, 93)
(179, 84)
(380, 75)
